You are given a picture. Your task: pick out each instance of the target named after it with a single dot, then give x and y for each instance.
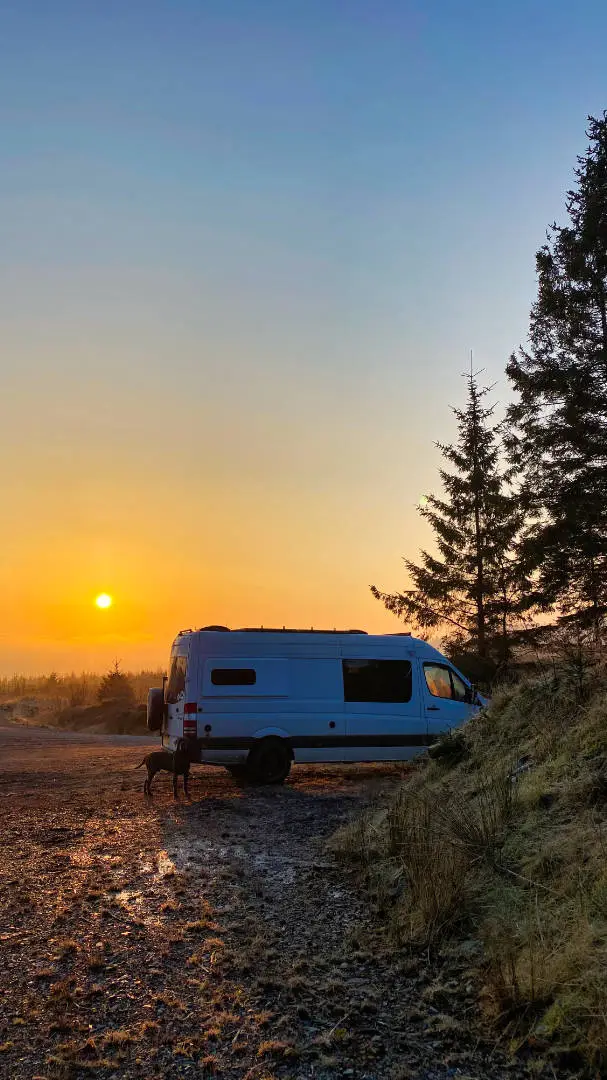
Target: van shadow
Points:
(230, 828)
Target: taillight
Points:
(190, 724)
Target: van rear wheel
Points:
(270, 762)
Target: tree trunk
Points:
(478, 538)
(602, 305)
(505, 649)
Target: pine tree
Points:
(116, 686)
(558, 440)
(471, 587)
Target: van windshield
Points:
(176, 684)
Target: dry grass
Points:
(276, 1048)
(201, 926)
(502, 837)
(169, 1000)
(66, 947)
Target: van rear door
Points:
(175, 695)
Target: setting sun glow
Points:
(103, 600)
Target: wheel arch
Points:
(272, 733)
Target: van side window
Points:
(377, 680)
(233, 676)
(176, 683)
(460, 690)
(444, 683)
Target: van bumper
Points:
(219, 751)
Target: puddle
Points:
(192, 853)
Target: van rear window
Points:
(233, 677)
(377, 680)
(176, 684)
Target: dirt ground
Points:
(143, 938)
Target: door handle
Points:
(433, 708)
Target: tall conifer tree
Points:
(558, 439)
(470, 588)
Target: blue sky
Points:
(271, 232)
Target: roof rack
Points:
(291, 630)
(272, 630)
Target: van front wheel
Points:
(270, 762)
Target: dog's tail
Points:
(140, 764)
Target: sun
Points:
(104, 600)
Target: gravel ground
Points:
(145, 938)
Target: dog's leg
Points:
(174, 785)
(186, 777)
(151, 776)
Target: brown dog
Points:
(176, 762)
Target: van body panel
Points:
(271, 678)
(333, 697)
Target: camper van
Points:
(256, 700)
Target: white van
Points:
(256, 700)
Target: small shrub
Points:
(450, 749)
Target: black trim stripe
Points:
(321, 742)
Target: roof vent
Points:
(216, 628)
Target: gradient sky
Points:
(245, 249)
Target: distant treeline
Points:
(81, 689)
(520, 523)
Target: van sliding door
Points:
(384, 720)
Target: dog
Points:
(176, 762)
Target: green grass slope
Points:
(501, 837)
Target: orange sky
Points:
(223, 526)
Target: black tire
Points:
(270, 762)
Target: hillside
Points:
(499, 841)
